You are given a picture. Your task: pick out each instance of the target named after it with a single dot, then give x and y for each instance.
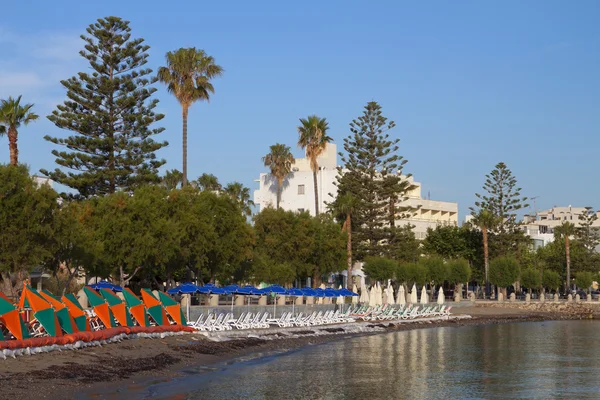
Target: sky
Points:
(468, 83)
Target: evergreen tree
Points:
(587, 233)
(372, 172)
(111, 114)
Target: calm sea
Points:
(508, 361)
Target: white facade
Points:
(298, 194)
(540, 227)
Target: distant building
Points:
(42, 180)
(298, 194)
(540, 227)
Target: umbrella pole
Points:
(275, 307)
(189, 300)
(232, 296)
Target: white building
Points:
(540, 227)
(298, 194)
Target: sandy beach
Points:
(126, 364)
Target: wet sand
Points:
(126, 364)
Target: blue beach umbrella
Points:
(106, 285)
(185, 288)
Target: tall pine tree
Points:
(111, 114)
(372, 174)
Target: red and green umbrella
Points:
(173, 308)
(42, 310)
(118, 307)
(155, 308)
(76, 311)
(136, 307)
(11, 319)
(100, 307)
(62, 313)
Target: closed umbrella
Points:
(372, 301)
(401, 300)
(413, 295)
(379, 294)
(384, 296)
(440, 296)
(390, 294)
(355, 299)
(424, 297)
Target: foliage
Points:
(416, 273)
(380, 268)
(172, 179)
(240, 194)
(12, 115)
(551, 280)
(313, 139)
(208, 182)
(504, 271)
(27, 213)
(372, 174)
(402, 244)
(584, 279)
(437, 269)
(588, 234)
(188, 76)
(459, 271)
(279, 161)
(530, 278)
(111, 114)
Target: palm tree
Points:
(187, 76)
(172, 179)
(279, 160)
(241, 194)
(345, 205)
(12, 115)
(209, 182)
(485, 221)
(566, 230)
(313, 139)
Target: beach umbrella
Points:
(390, 294)
(136, 307)
(11, 319)
(413, 294)
(42, 310)
(401, 300)
(424, 297)
(79, 316)
(379, 294)
(154, 308)
(275, 290)
(172, 308)
(294, 293)
(66, 321)
(106, 285)
(100, 307)
(185, 288)
(384, 296)
(118, 307)
(340, 299)
(440, 299)
(355, 297)
(372, 301)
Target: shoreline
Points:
(132, 362)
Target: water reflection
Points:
(527, 360)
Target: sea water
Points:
(535, 360)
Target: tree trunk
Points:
(316, 193)
(316, 278)
(568, 253)
(486, 259)
(349, 250)
(279, 188)
(184, 113)
(12, 144)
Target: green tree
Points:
(209, 182)
(380, 268)
(584, 280)
(279, 161)
(313, 139)
(241, 195)
(437, 270)
(530, 278)
(564, 232)
(27, 213)
(12, 116)
(188, 76)
(459, 272)
(504, 271)
(344, 207)
(417, 273)
(172, 179)
(111, 114)
(551, 280)
(588, 233)
(372, 172)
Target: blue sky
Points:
(469, 83)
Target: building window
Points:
(301, 210)
(300, 189)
